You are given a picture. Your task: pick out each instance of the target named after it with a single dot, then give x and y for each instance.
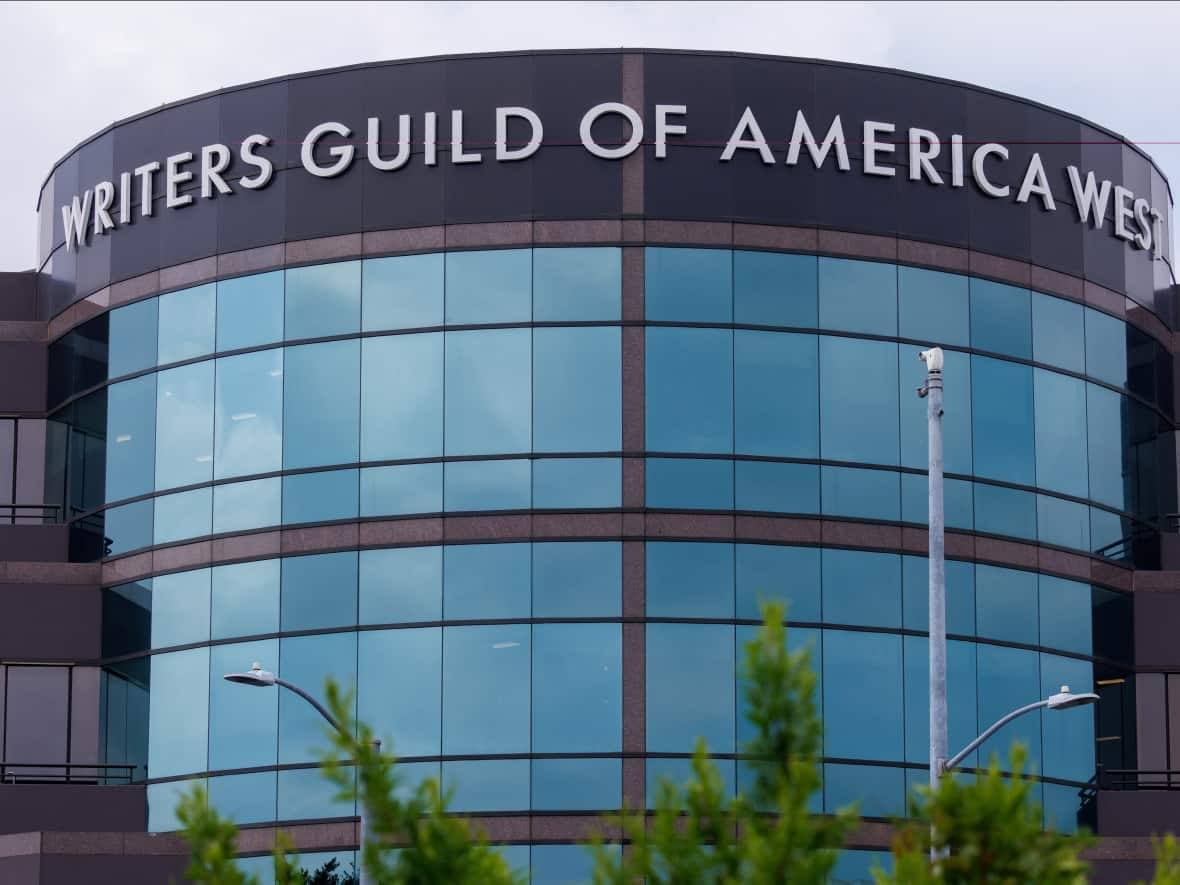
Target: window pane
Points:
(1110, 475)
(488, 392)
(320, 497)
(855, 694)
(858, 400)
(1002, 511)
(180, 608)
(1058, 332)
(488, 785)
(403, 711)
(319, 591)
(184, 425)
(560, 483)
(403, 292)
(401, 585)
(323, 299)
(577, 579)
(933, 306)
(960, 595)
(486, 581)
(1065, 615)
(679, 772)
(486, 689)
(776, 394)
(489, 287)
(1060, 432)
(243, 722)
(577, 390)
(690, 687)
(1061, 522)
(246, 599)
(956, 418)
(694, 285)
(1106, 348)
(187, 323)
(1008, 679)
(179, 712)
(767, 573)
(689, 483)
(487, 485)
(689, 390)
(321, 404)
(402, 397)
(776, 488)
(131, 430)
(961, 703)
(577, 283)
(306, 793)
(132, 338)
(861, 494)
(1001, 318)
(576, 785)
(861, 588)
(773, 289)
(858, 296)
(128, 527)
(689, 579)
(1068, 735)
(957, 501)
(240, 506)
(395, 491)
(308, 661)
(245, 798)
(577, 688)
(877, 790)
(248, 430)
(1006, 603)
(183, 515)
(250, 311)
(1002, 412)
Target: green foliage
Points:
(1167, 861)
(699, 835)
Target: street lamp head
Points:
(932, 358)
(254, 676)
(1065, 699)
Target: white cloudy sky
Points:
(68, 70)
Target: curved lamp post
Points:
(260, 678)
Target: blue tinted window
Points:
(1006, 604)
(489, 287)
(1064, 615)
(1061, 522)
(488, 400)
(689, 579)
(577, 390)
(128, 527)
(184, 425)
(1106, 348)
(961, 702)
(319, 591)
(857, 296)
(239, 506)
(321, 390)
(132, 338)
(933, 306)
(1060, 432)
(1001, 318)
(776, 394)
(162, 800)
(689, 390)
(960, 595)
(320, 497)
(577, 579)
(245, 798)
(484, 581)
(1110, 473)
(246, 599)
(1003, 511)
(855, 867)
(689, 483)
(243, 721)
(403, 584)
(183, 515)
(577, 283)
(398, 490)
(862, 588)
(486, 485)
(308, 661)
(576, 785)
(1068, 735)
(486, 690)
(306, 793)
(787, 574)
(399, 674)
(1058, 332)
(679, 772)
(1062, 807)
(861, 494)
(1008, 679)
(323, 299)
(248, 425)
(858, 400)
(250, 311)
(694, 285)
(402, 397)
(805, 639)
(577, 688)
(560, 483)
(877, 791)
(690, 687)
(178, 713)
(402, 293)
(855, 694)
(772, 487)
(956, 411)
(131, 433)
(187, 323)
(1002, 414)
(773, 289)
(180, 608)
(488, 785)
(957, 501)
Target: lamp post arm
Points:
(951, 763)
(320, 708)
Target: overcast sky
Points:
(68, 70)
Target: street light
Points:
(260, 678)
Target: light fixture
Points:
(254, 676)
(1065, 699)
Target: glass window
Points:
(246, 599)
(862, 683)
(1060, 432)
(320, 497)
(489, 287)
(577, 283)
(131, 433)
(180, 608)
(1001, 318)
(486, 690)
(561, 483)
(691, 285)
(183, 515)
(1058, 332)
(576, 785)
(960, 595)
(132, 338)
(178, 713)
(957, 501)
(400, 675)
(488, 392)
(690, 687)
(858, 400)
(184, 425)
(577, 688)
(961, 703)
(689, 579)
(774, 289)
(1065, 615)
(861, 588)
(1061, 522)
(861, 494)
(1002, 415)
(956, 417)
(858, 296)
(248, 426)
(679, 772)
(404, 292)
(856, 867)
(577, 390)
(241, 506)
(402, 397)
(877, 791)
(187, 323)
(487, 485)
(250, 311)
(128, 527)
(577, 579)
(245, 798)
(398, 490)
(483, 581)
(162, 800)
(776, 394)
(689, 390)
(321, 404)
(1006, 604)
(689, 483)
(1068, 735)
(243, 721)
(933, 306)
(767, 572)
(487, 784)
(319, 591)
(306, 793)
(308, 661)
(323, 299)
(776, 488)
(401, 585)
(806, 639)
(1106, 348)
(1009, 678)
(1003, 511)
(1062, 807)
(1111, 478)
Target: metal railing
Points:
(29, 514)
(67, 772)
(1139, 779)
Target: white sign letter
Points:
(1035, 182)
(104, 196)
(1143, 219)
(403, 144)
(874, 147)
(145, 173)
(457, 153)
(803, 135)
(503, 151)
(747, 135)
(664, 128)
(611, 153)
(1090, 199)
(249, 155)
(75, 217)
(981, 178)
(343, 153)
(214, 161)
(924, 147)
(1122, 212)
(174, 178)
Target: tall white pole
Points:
(932, 391)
